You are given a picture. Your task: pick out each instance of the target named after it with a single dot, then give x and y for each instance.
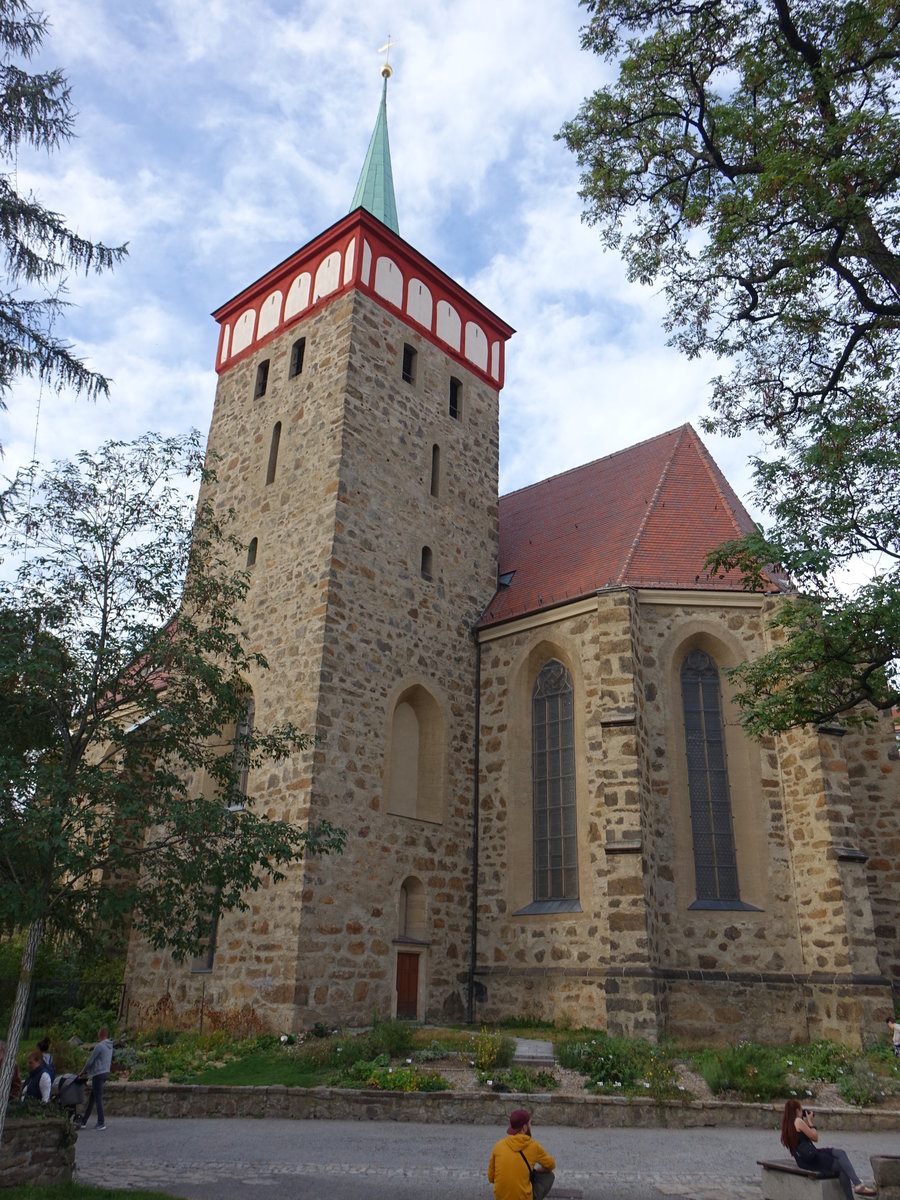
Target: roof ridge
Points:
(714, 471)
(602, 458)
(682, 430)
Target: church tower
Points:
(356, 434)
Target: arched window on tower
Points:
(555, 848)
(415, 770)
(715, 864)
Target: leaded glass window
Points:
(715, 865)
(553, 785)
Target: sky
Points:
(216, 137)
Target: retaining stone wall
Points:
(471, 1108)
(37, 1150)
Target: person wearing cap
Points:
(520, 1168)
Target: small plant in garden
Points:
(518, 1079)
(492, 1048)
(754, 1072)
(819, 1061)
(862, 1085)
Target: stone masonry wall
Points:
(589, 966)
(293, 519)
(873, 772)
(388, 628)
(340, 609)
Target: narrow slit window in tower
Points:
(262, 379)
(297, 352)
(435, 470)
(251, 552)
(455, 399)
(426, 562)
(408, 370)
(273, 453)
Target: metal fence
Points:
(50, 998)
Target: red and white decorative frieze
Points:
(360, 252)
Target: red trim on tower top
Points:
(347, 256)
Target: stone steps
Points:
(533, 1053)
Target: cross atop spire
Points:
(375, 190)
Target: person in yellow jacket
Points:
(520, 1168)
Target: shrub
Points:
(862, 1085)
(430, 1053)
(754, 1072)
(392, 1037)
(820, 1061)
(620, 1066)
(492, 1048)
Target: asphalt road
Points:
(348, 1160)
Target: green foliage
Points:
(819, 1061)
(492, 1048)
(378, 1073)
(392, 1037)
(434, 1051)
(518, 1079)
(745, 157)
(750, 1071)
(123, 677)
(618, 1066)
(37, 249)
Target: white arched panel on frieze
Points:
(269, 314)
(476, 345)
(328, 276)
(226, 342)
(419, 303)
(449, 325)
(366, 263)
(495, 360)
(243, 331)
(298, 295)
(349, 256)
(389, 280)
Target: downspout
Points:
(473, 941)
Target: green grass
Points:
(80, 1191)
(261, 1070)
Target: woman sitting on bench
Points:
(799, 1135)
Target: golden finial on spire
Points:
(387, 70)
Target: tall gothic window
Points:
(715, 864)
(553, 785)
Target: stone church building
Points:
(523, 718)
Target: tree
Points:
(37, 246)
(123, 680)
(748, 157)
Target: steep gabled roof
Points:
(643, 517)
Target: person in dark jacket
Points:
(44, 1047)
(799, 1135)
(37, 1085)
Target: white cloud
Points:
(218, 136)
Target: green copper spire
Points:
(375, 190)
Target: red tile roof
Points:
(643, 517)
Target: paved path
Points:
(348, 1160)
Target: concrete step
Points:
(533, 1053)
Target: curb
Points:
(471, 1108)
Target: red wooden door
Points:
(407, 985)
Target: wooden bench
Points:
(784, 1180)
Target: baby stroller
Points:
(68, 1092)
